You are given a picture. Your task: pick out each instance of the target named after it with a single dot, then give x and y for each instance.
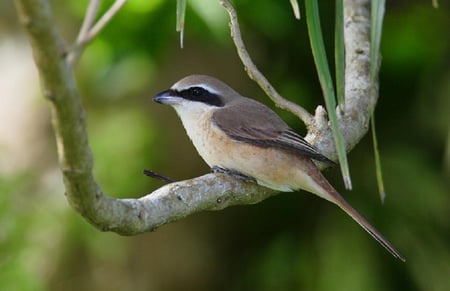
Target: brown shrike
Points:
(241, 136)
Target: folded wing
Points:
(257, 124)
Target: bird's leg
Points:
(233, 173)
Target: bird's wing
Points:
(255, 123)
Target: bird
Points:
(245, 138)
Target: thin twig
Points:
(89, 31)
(91, 13)
(89, 19)
(105, 19)
(256, 75)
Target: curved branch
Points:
(173, 202)
(124, 216)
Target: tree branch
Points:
(124, 216)
(180, 199)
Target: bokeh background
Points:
(294, 241)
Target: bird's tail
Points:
(333, 196)
(344, 205)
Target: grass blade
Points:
(181, 12)
(376, 25)
(339, 54)
(320, 59)
(377, 13)
(295, 8)
(378, 170)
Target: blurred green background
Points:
(294, 241)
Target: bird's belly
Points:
(271, 167)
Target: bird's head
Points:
(197, 90)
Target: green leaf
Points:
(181, 11)
(379, 173)
(377, 13)
(295, 8)
(376, 25)
(320, 58)
(339, 53)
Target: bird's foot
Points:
(233, 173)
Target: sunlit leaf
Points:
(181, 11)
(295, 8)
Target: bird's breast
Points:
(271, 167)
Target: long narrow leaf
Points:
(320, 58)
(339, 53)
(295, 8)
(181, 11)
(377, 160)
(377, 13)
(376, 25)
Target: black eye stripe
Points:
(201, 95)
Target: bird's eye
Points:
(197, 91)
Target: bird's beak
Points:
(168, 97)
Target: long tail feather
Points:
(329, 193)
(344, 205)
